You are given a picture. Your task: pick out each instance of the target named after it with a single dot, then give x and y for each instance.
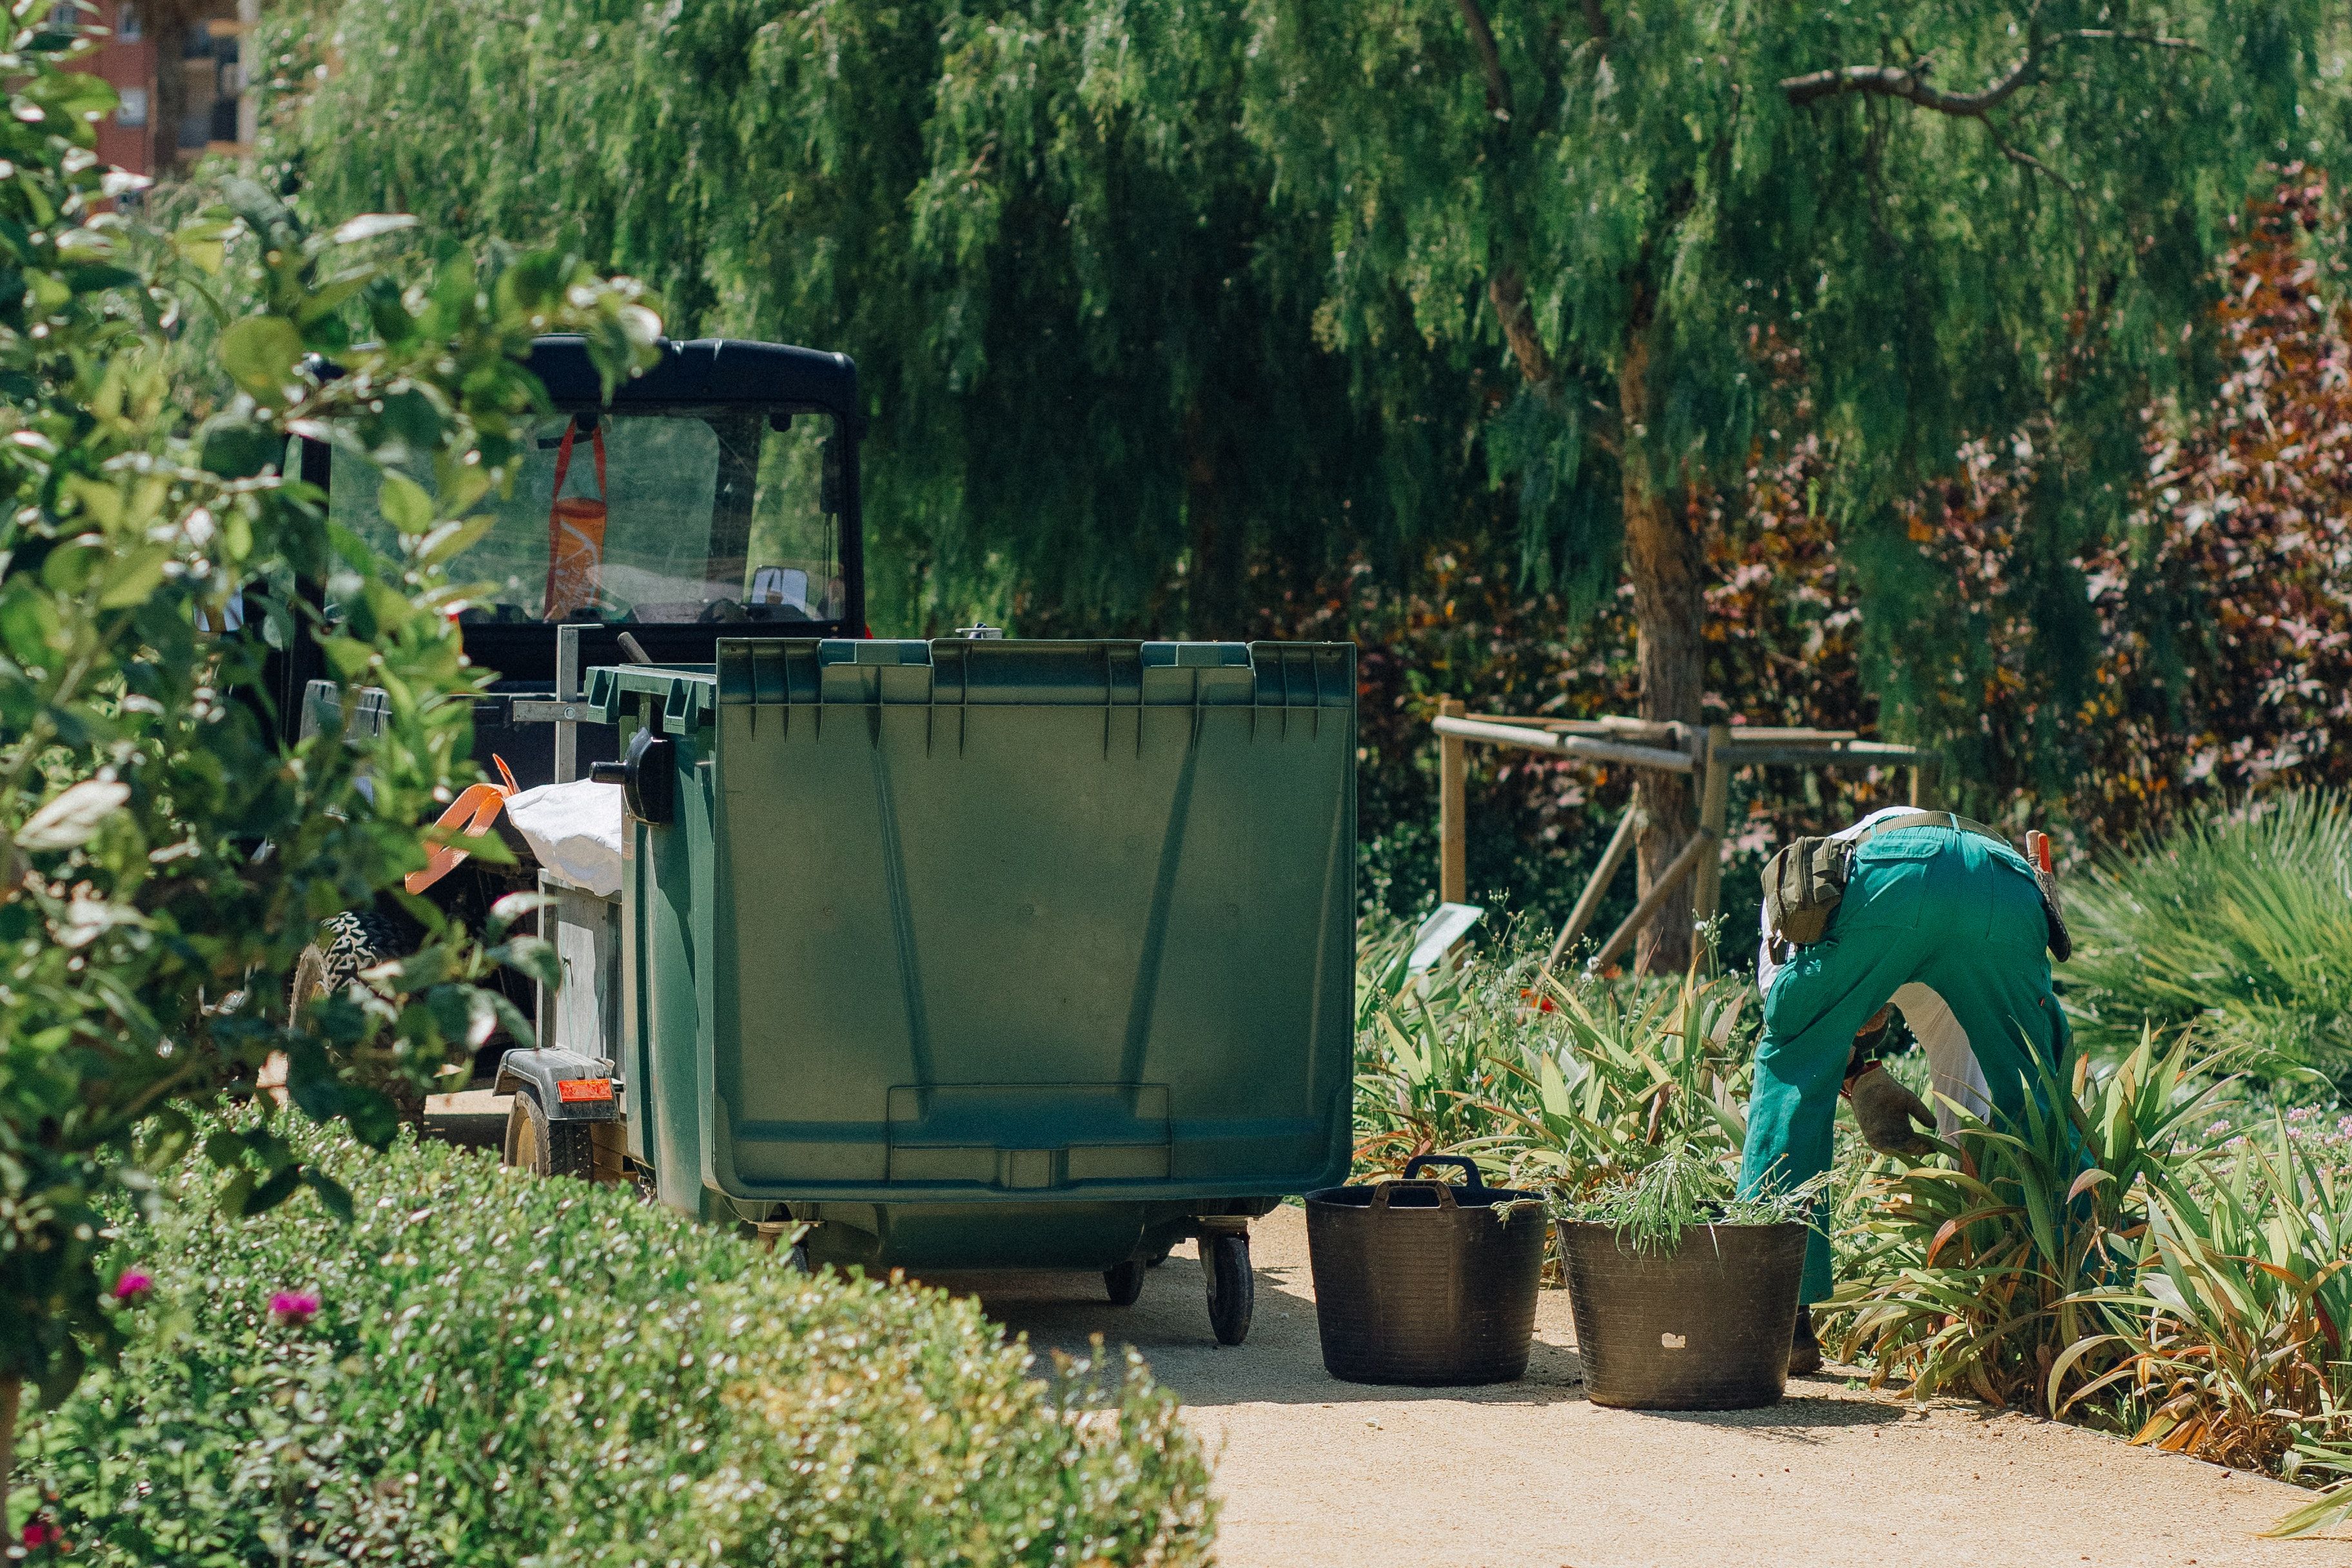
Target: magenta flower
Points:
(39, 1532)
(132, 1286)
(293, 1309)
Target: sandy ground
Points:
(1530, 1475)
(1311, 1471)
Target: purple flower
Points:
(132, 1286)
(293, 1309)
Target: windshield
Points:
(684, 515)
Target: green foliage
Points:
(2240, 924)
(165, 855)
(2123, 1262)
(1085, 331)
(1575, 1082)
(2004, 1272)
(1305, 281)
(1681, 1190)
(2240, 1352)
(507, 1369)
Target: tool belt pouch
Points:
(2062, 946)
(1803, 885)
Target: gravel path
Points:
(1530, 1475)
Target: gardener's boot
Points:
(1805, 1350)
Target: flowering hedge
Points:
(490, 1368)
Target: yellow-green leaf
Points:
(260, 352)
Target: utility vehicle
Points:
(942, 954)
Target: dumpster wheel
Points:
(1124, 1281)
(1225, 1265)
(545, 1148)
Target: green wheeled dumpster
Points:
(982, 954)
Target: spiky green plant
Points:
(2240, 924)
(1680, 1190)
(2005, 1268)
(2236, 1348)
(1543, 1079)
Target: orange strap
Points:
(563, 463)
(476, 807)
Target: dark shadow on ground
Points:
(1281, 1363)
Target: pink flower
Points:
(293, 1309)
(39, 1532)
(132, 1286)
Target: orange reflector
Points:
(571, 1088)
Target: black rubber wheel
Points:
(1225, 1265)
(1124, 1281)
(545, 1148)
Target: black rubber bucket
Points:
(1705, 1327)
(1423, 1282)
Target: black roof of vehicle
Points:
(705, 371)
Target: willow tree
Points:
(1085, 330)
(1939, 220)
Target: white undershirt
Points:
(1952, 1068)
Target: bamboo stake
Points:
(1647, 909)
(1596, 886)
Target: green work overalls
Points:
(1955, 912)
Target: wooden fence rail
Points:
(1713, 752)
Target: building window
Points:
(64, 17)
(128, 27)
(132, 111)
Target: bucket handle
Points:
(1462, 1163)
(1471, 1179)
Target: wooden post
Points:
(1714, 817)
(1647, 909)
(1923, 785)
(1597, 886)
(1453, 787)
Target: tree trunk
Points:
(167, 29)
(1214, 584)
(1663, 558)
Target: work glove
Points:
(1885, 1111)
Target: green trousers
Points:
(1953, 911)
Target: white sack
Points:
(575, 831)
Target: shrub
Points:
(1543, 1077)
(2121, 1261)
(145, 936)
(502, 1369)
(2002, 1273)
(2240, 924)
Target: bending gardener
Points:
(1929, 913)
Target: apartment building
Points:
(208, 41)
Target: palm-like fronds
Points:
(2242, 924)
(1570, 1082)
(2008, 1271)
(2240, 1352)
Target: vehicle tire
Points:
(1225, 1265)
(547, 1148)
(351, 942)
(1124, 1281)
